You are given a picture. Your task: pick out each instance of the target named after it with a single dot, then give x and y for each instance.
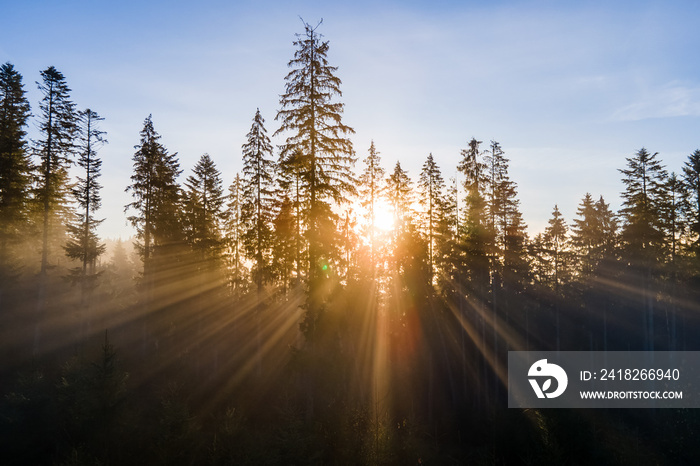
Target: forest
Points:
(321, 309)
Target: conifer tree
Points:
(156, 194)
(258, 200)
(496, 172)
(15, 166)
(289, 178)
(84, 245)
(504, 219)
(432, 187)
(371, 190)
(203, 201)
(642, 233)
(316, 134)
(673, 206)
(477, 235)
(57, 127)
(642, 230)
(285, 243)
(400, 195)
(234, 238)
(556, 247)
(608, 223)
(691, 179)
(584, 234)
(448, 255)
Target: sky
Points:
(569, 89)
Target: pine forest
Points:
(326, 306)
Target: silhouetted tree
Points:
(83, 244)
(156, 194)
(556, 244)
(477, 237)
(57, 127)
(316, 134)
(203, 202)
(234, 230)
(400, 196)
(285, 243)
(642, 232)
(587, 235)
(258, 200)
(642, 229)
(15, 166)
(371, 189)
(691, 179)
(432, 199)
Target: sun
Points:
(383, 222)
(383, 216)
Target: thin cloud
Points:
(671, 100)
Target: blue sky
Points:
(568, 90)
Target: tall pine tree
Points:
(15, 166)
(156, 194)
(84, 245)
(203, 203)
(371, 190)
(258, 200)
(432, 186)
(399, 192)
(233, 237)
(642, 231)
(57, 128)
(477, 236)
(312, 120)
(691, 179)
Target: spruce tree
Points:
(556, 247)
(203, 202)
(312, 120)
(399, 192)
(84, 245)
(432, 199)
(673, 205)
(608, 224)
(586, 235)
(691, 179)
(57, 128)
(642, 232)
(258, 200)
(477, 236)
(504, 220)
(156, 194)
(234, 230)
(285, 243)
(15, 166)
(371, 190)
(290, 184)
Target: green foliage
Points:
(322, 155)
(203, 206)
(14, 163)
(257, 200)
(371, 190)
(642, 231)
(83, 244)
(57, 127)
(156, 193)
(233, 238)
